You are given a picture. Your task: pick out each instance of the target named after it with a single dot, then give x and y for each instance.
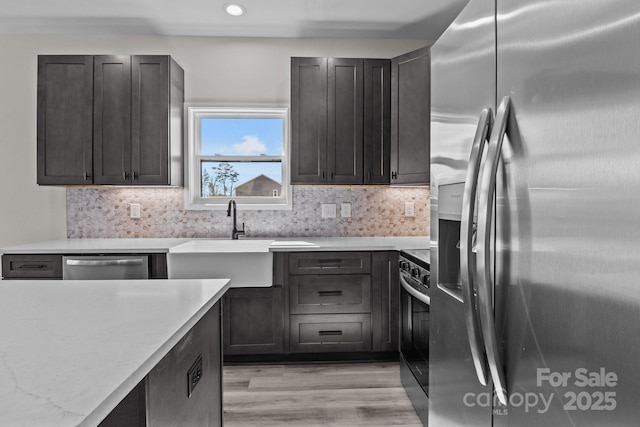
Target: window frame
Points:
(194, 113)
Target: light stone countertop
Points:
(393, 243)
(146, 245)
(70, 351)
(96, 246)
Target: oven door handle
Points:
(414, 292)
(467, 264)
(485, 220)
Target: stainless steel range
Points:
(415, 304)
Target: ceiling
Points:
(383, 19)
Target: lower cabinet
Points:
(253, 321)
(32, 266)
(323, 306)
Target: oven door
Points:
(414, 344)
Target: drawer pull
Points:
(32, 267)
(324, 263)
(330, 293)
(329, 333)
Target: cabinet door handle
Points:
(87, 175)
(135, 175)
(31, 267)
(394, 175)
(330, 293)
(329, 333)
(125, 176)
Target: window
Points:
(239, 153)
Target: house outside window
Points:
(239, 153)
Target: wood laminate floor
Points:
(354, 394)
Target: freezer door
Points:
(462, 86)
(568, 206)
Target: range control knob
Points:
(426, 280)
(404, 265)
(415, 272)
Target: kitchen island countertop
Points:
(70, 351)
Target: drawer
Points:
(330, 294)
(330, 263)
(32, 266)
(320, 333)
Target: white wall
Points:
(220, 69)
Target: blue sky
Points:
(241, 136)
(252, 137)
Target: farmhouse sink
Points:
(223, 246)
(248, 263)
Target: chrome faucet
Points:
(235, 232)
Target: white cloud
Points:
(250, 145)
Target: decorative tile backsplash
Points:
(103, 212)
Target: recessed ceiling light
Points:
(234, 9)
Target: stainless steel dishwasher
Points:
(113, 267)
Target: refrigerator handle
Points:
(467, 264)
(485, 219)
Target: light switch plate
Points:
(328, 210)
(134, 209)
(409, 209)
(345, 210)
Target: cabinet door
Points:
(377, 121)
(150, 119)
(112, 119)
(385, 301)
(410, 118)
(308, 120)
(253, 321)
(65, 112)
(344, 128)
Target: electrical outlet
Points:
(409, 209)
(345, 210)
(328, 210)
(194, 375)
(134, 210)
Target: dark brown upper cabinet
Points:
(345, 121)
(65, 114)
(340, 120)
(377, 121)
(308, 120)
(410, 118)
(113, 120)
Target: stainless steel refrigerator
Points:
(535, 227)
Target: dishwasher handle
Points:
(107, 262)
